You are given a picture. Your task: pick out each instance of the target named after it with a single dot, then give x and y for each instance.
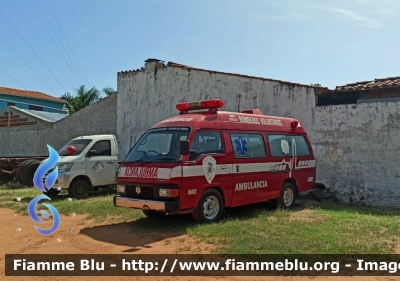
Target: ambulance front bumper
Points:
(168, 207)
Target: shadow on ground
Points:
(141, 232)
(98, 193)
(144, 231)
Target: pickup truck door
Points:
(101, 166)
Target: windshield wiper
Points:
(166, 158)
(138, 161)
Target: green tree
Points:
(316, 85)
(83, 97)
(108, 91)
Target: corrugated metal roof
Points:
(49, 116)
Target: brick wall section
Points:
(4, 120)
(14, 120)
(22, 133)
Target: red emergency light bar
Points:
(196, 105)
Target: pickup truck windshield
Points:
(80, 145)
(159, 145)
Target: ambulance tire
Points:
(289, 192)
(210, 198)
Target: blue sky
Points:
(308, 41)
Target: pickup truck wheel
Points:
(79, 189)
(152, 214)
(287, 197)
(210, 207)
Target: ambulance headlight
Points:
(120, 188)
(168, 192)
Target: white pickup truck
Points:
(86, 163)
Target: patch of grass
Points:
(98, 206)
(338, 229)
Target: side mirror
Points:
(91, 153)
(184, 147)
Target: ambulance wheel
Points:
(210, 207)
(79, 189)
(287, 197)
(152, 214)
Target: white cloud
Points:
(354, 16)
(366, 13)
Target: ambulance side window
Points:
(283, 146)
(206, 142)
(279, 145)
(248, 145)
(302, 147)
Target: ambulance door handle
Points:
(224, 167)
(237, 168)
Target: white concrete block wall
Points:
(148, 96)
(358, 151)
(99, 118)
(356, 146)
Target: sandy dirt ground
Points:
(77, 235)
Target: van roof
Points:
(251, 120)
(105, 136)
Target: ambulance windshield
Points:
(159, 145)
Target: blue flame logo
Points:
(49, 181)
(43, 169)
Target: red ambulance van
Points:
(205, 160)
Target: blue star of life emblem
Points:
(241, 145)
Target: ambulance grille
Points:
(144, 192)
(147, 190)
